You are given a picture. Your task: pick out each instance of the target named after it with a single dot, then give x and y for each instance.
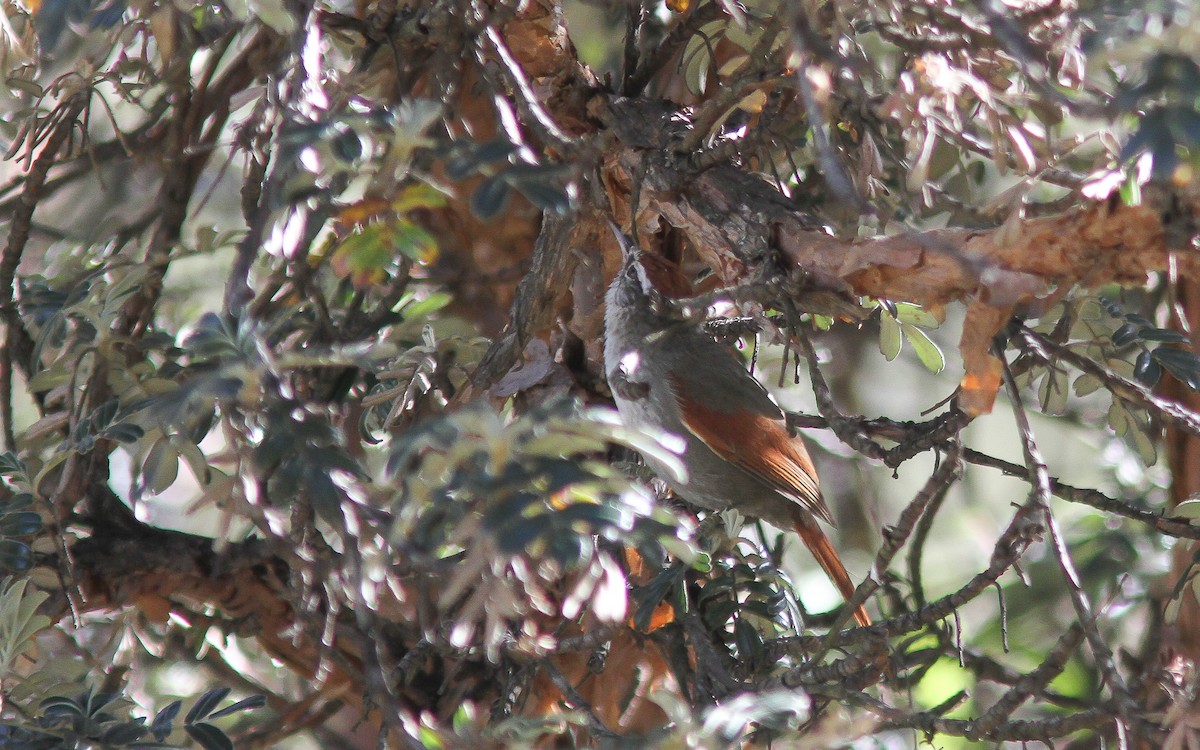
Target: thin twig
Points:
(1029, 685)
(831, 167)
(1093, 498)
(532, 105)
(846, 429)
(1011, 731)
(1040, 495)
(1179, 417)
(895, 536)
(920, 534)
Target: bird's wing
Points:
(758, 443)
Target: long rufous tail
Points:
(822, 549)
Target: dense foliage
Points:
(303, 398)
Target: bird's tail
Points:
(822, 549)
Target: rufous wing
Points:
(759, 444)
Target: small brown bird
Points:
(668, 374)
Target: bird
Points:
(666, 373)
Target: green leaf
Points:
(545, 194)
(1131, 190)
(429, 739)
(468, 161)
(211, 338)
(273, 13)
(697, 57)
(1086, 383)
(10, 464)
(1171, 613)
(15, 556)
(124, 432)
(161, 726)
(414, 242)
(916, 315)
(494, 151)
(27, 87)
(1189, 509)
(104, 414)
(23, 523)
(1126, 334)
(19, 622)
(1196, 587)
(423, 308)
(63, 705)
(209, 736)
(890, 339)
(747, 638)
(660, 447)
(195, 460)
(514, 537)
(245, 704)
(49, 379)
(1119, 418)
(1139, 437)
(365, 256)
(1147, 370)
(557, 444)
(464, 717)
(124, 733)
(927, 351)
(1164, 335)
(18, 501)
(1053, 391)
(205, 704)
(1184, 365)
(161, 467)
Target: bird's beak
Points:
(626, 245)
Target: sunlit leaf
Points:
(916, 315)
(414, 242)
(1189, 509)
(890, 338)
(927, 352)
(365, 256)
(418, 195)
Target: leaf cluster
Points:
(95, 720)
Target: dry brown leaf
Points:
(977, 391)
